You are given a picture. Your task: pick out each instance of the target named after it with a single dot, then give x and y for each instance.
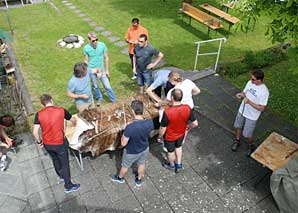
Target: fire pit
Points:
(71, 41)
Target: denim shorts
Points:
(144, 77)
(245, 124)
(129, 159)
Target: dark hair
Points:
(177, 94)
(135, 20)
(138, 107)
(45, 99)
(79, 69)
(259, 74)
(7, 120)
(143, 36)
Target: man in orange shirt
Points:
(132, 36)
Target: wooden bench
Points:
(193, 12)
(223, 15)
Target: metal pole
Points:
(197, 55)
(218, 53)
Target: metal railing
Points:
(198, 43)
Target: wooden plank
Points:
(275, 151)
(227, 17)
(201, 16)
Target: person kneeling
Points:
(135, 141)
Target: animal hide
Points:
(104, 125)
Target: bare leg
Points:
(178, 152)
(122, 172)
(249, 141)
(238, 134)
(171, 157)
(141, 171)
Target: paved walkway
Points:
(214, 179)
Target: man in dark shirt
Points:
(174, 124)
(142, 65)
(51, 121)
(135, 141)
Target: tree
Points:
(283, 14)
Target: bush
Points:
(253, 60)
(235, 69)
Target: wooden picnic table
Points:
(225, 16)
(275, 151)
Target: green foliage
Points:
(254, 60)
(283, 14)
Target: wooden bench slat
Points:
(201, 16)
(227, 17)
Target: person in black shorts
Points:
(176, 120)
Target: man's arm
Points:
(134, 62)
(152, 95)
(76, 96)
(193, 124)
(158, 59)
(196, 90)
(161, 132)
(107, 63)
(35, 132)
(124, 140)
(86, 59)
(254, 105)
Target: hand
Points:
(9, 141)
(240, 95)
(150, 66)
(84, 96)
(156, 104)
(246, 101)
(108, 73)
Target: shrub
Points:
(253, 60)
(235, 69)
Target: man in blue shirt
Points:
(79, 87)
(162, 79)
(135, 141)
(96, 53)
(142, 61)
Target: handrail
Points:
(210, 53)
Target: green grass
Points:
(47, 68)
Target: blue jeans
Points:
(106, 84)
(144, 77)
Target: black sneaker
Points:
(117, 179)
(250, 150)
(74, 188)
(235, 146)
(138, 182)
(178, 166)
(167, 165)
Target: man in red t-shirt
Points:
(176, 120)
(50, 120)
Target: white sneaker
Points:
(3, 163)
(133, 77)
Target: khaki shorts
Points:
(245, 124)
(82, 107)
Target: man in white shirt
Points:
(188, 88)
(255, 98)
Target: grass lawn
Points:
(47, 68)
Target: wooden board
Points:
(201, 16)
(275, 151)
(225, 16)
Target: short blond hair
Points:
(92, 35)
(175, 76)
